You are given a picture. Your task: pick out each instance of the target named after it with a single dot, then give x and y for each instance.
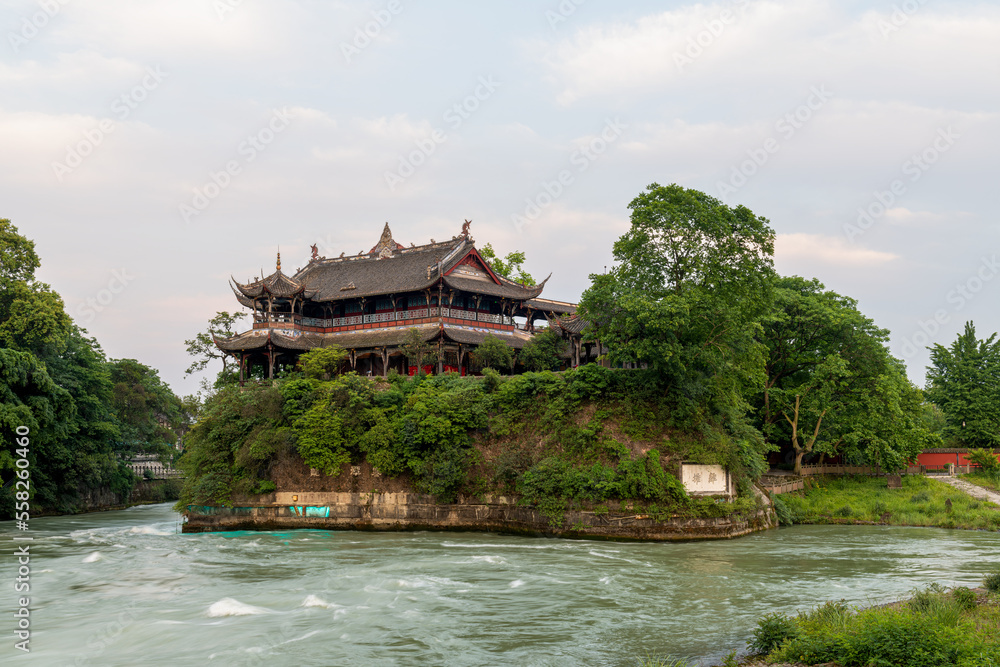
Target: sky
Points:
(152, 150)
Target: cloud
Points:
(727, 46)
(803, 249)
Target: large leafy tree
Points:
(57, 382)
(693, 278)
(831, 385)
(964, 381)
(32, 316)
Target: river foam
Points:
(231, 607)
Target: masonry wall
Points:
(410, 511)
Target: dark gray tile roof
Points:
(573, 324)
(367, 275)
(549, 306)
(506, 289)
(276, 284)
(514, 339)
(388, 336)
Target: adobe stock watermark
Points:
(563, 11)
(914, 167)
(122, 107)
(32, 26)
(247, 152)
(958, 297)
(711, 31)
(900, 16)
(365, 35)
(581, 159)
(455, 117)
(225, 7)
(88, 309)
(109, 633)
(786, 127)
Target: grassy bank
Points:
(986, 481)
(933, 627)
(921, 502)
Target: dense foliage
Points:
(964, 381)
(831, 386)
(86, 414)
(935, 627)
(592, 434)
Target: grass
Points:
(934, 627)
(866, 500)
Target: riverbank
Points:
(933, 626)
(145, 492)
(921, 501)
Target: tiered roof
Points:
(389, 268)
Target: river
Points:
(126, 588)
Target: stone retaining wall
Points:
(409, 511)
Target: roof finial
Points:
(465, 228)
(279, 259)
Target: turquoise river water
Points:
(126, 588)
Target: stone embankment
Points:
(411, 511)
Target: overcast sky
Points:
(153, 149)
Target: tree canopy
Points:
(964, 381)
(83, 414)
(203, 348)
(831, 385)
(692, 280)
(510, 266)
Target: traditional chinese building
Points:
(368, 304)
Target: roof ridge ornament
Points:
(386, 244)
(465, 228)
(279, 261)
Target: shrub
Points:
(965, 598)
(991, 582)
(493, 353)
(785, 517)
(772, 630)
(845, 511)
(986, 459)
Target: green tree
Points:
(509, 267)
(322, 363)
(148, 412)
(32, 316)
(418, 352)
(18, 260)
(964, 381)
(543, 352)
(202, 347)
(493, 353)
(694, 276)
(831, 385)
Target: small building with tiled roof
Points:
(368, 304)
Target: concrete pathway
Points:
(977, 492)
